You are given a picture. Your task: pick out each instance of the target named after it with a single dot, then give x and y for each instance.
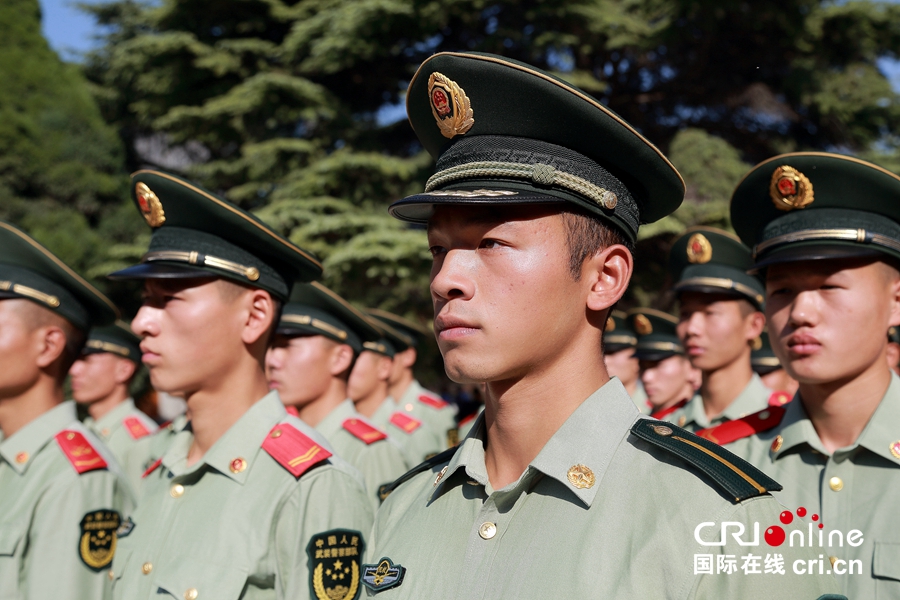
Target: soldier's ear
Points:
(608, 272)
(51, 341)
(341, 359)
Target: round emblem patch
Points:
(790, 189)
(150, 206)
(699, 250)
(581, 477)
(642, 325)
(450, 106)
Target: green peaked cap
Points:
(504, 132)
(392, 339)
(115, 339)
(30, 271)
(313, 309)
(710, 260)
(618, 334)
(198, 234)
(762, 357)
(817, 205)
(656, 335)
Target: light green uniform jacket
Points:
(380, 462)
(44, 508)
(441, 422)
(123, 440)
(640, 399)
(599, 513)
(856, 488)
(692, 416)
(417, 441)
(239, 524)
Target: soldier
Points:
(893, 350)
(825, 230)
(100, 380)
(62, 496)
(317, 341)
(368, 388)
(667, 375)
(247, 501)
(768, 367)
(561, 487)
(719, 319)
(619, 341)
(409, 395)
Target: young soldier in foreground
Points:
(559, 491)
(719, 319)
(408, 394)
(247, 502)
(317, 341)
(100, 379)
(62, 497)
(826, 234)
(619, 341)
(668, 377)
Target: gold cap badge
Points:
(449, 105)
(790, 189)
(150, 205)
(642, 325)
(610, 324)
(699, 250)
(581, 477)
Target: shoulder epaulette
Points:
(292, 450)
(430, 463)
(152, 467)
(364, 431)
(665, 412)
(432, 401)
(730, 431)
(83, 456)
(738, 478)
(135, 428)
(780, 398)
(405, 422)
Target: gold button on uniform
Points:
(776, 443)
(22, 457)
(581, 477)
(176, 490)
(105, 432)
(191, 594)
(662, 430)
(238, 465)
(487, 530)
(408, 407)
(682, 420)
(836, 484)
(147, 568)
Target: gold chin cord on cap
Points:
(29, 292)
(195, 258)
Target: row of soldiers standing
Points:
(285, 479)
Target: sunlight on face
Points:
(299, 368)
(713, 329)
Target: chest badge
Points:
(97, 545)
(334, 564)
(383, 576)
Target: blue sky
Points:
(69, 31)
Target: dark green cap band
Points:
(115, 339)
(716, 279)
(299, 319)
(31, 272)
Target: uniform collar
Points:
(112, 420)
(243, 441)
(28, 441)
(334, 420)
(589, 437)
(751, 399)
(880, 434)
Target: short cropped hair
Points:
(586, 235)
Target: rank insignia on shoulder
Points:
(135, 428)
(294, 451)
(731, 431)
(432, 401)
(405, 422)
(736, 477)
(383, 576)
(780, 398)
(364, 431)
(97, 544)
(334, 564)
(79, 451)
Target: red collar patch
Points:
(731, 431)
(135, 428)
(779, 398)
(405, 422)
(364, 431)
(432, 401)
(665, 412)
(79, 451)
(152, 467)
(292, 450)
